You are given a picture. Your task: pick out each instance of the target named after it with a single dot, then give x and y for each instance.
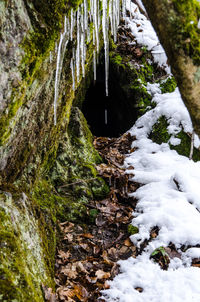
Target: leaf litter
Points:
(88, 254)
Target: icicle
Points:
(99, 15)
(106, 116)
(85, 15)
(111, 16)
(114, 20)
(73, 76)
(96, 24)
(110, 181)
(60, 55)
(50, 57)
(58, 67)
(82, 18)
(106, 42)
(92, 7)
(66, 33)
(78, 47)
(83, 53)
(123, 9)
(94, 66)
(93, 32)
(117, 2)
(72, 25)
(65, 24)
(88, 34)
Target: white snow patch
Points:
(158, 285)
(168, 199)
(145, 34)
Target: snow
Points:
(172, 285)
(145, 34)
(169, 197)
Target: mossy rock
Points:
(188, 35)
(160, 135)
(23, 256)
(168, 85)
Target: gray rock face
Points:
(14, 25)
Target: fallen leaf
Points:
(139, 289)
(63, 255)
(106, 285)
(128, 242)
(87, 235)
(102, 275)
(81, 292)
(68, 237)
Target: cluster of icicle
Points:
(86, 23)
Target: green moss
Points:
(74, 3)
(144, 98)
(9, 113)
(93, 213)
(22, 268)
(132, 229)
(184, 26)
(160, 135)
(116, 59)
(185, 145)
(168, 85)
(99, 188)
(159, 132)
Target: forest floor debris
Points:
(88, 254)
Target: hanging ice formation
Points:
(81, 21)
(64, 38)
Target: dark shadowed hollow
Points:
(108, 116)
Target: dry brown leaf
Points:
(65, 292)
(81, 267)
(106, 285)
(69, 271)
(81, 292)
(128, 243)
(106, 259)
(96, 250)
(63, 255)
(91, 279)
(68, 237)
(196, 264)
(115, 270)
(48, 294)
(87, 235)
(85, 246)
(68, 228)
(102, 275)
(139, 289)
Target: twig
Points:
(77, 182)
(192, 146)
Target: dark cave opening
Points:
(113, 115)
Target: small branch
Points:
(192, 146)
(77, 182)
